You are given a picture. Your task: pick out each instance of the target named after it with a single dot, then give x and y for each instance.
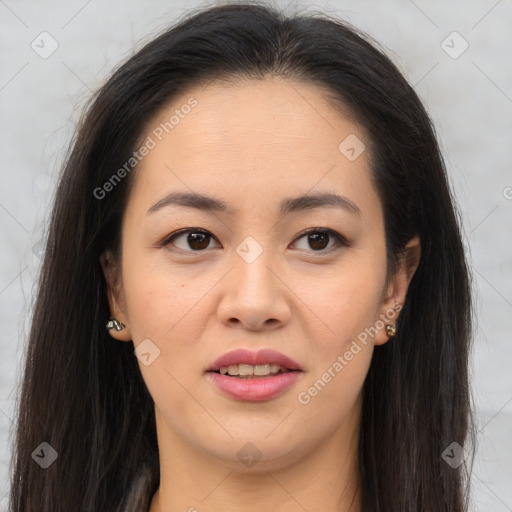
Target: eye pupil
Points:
(197, 240)
(316, 240)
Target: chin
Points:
(258, 452)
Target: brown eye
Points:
(189, 240)
(318, 240)
(198, 241)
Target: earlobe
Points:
(397, 290)
(117, 325)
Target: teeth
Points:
(248, 369)
(261, 369)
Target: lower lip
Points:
(254, 390)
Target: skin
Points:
(253, 144)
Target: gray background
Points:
(469, 98)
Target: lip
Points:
(258, 389)
(254, 390)
(263, 356)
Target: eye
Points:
(319, 238)
(196, 239)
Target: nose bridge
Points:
(252, 295)
(252, 271)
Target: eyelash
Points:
(342, 241)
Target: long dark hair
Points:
(83, 393)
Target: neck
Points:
(326, 478)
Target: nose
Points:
(254, 296)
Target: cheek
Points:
(345, 301)
(346, 351)
(334, 392)
(165, 307)
(348, 305)
(159, 299)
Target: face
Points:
(253, 269)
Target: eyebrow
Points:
(288, 205)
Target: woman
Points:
(254, 294)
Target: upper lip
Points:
(245, 356)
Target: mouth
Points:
(249, 372)
(244, 363)
(246, 375)
(253, 388)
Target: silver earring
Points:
(115, 324)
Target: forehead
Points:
(254, 114)
(252, 137)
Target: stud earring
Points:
(115, 324)
(390, 329)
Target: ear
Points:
(396, 290)
(115, 293)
